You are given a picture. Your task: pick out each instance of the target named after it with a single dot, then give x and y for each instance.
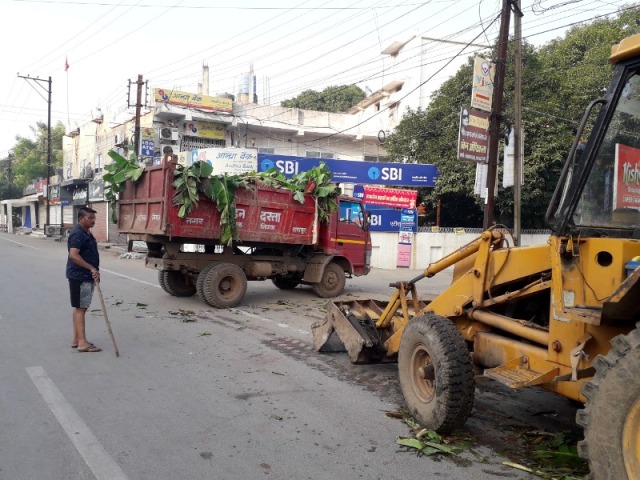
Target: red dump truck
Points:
(279, 239)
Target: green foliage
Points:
(223, 194)
(118, 172)
(332, 99)
(30, 154)
(560, 79)
(189, 182)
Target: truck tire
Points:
(223, 285)
(285, 283)
(332, 282)
(163, 286)
(178, 284)
(611, 418)
(435, 372)
(200, 281)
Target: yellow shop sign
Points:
(201, 129)
(192, 100)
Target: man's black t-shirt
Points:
(84, 241)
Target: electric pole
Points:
(136, 138)
(496, 113)
(39, 82)
(517, 125)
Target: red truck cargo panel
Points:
(263, 214)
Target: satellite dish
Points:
(382, 136)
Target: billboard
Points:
(392, 219)
(386, 197)
(230, 161)
(626, 190)
(355, 171)
(482, 89)
(473, 136)
(192, 100)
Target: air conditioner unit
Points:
(167, 149)
(168, 133)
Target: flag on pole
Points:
(66, 64)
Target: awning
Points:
(22, 202)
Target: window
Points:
(69, 173)
(374, 158)
(268, 151)
(318, 154)
(98, 162)
(351, 212)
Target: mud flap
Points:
(353, 325)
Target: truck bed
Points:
(263, 214)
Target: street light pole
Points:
(496, 113)
(39, 82)
(48, 158)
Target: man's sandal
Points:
(90, 348)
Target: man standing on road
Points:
(82, 272)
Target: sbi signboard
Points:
(392, 219)
(352, 171)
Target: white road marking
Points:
(266, 320)
(18, 243)
(97, 458)
(251, 315)
(129, 278)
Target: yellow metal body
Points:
(570, 279)
(631, 441)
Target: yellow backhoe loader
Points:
(564, 316)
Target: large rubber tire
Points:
(224, 285)
(178, 284)
(163, 285)
(284, 283)
(436, 374)
(200, 281)
(611, 418)
(332, 282)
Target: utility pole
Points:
(517, 125)
(39, 82)
(496, 113)
(136, 144)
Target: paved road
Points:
(199, 393)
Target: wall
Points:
(100, 229)
(429, 247)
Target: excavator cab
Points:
(599, 190)
(563, 316)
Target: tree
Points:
(31, 154)
(332, 99)
(561, 78)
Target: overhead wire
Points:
(293, 87)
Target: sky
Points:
(293, 45)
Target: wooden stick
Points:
(106, 318)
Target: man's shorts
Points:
(81, 293)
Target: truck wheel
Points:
(178, 284)
(200, 280)
(435, 373)
(285, 283)
(223, 285)
(163, 286)
(611, 418)
(332, 282)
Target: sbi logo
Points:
(386, 173)
(288, 167)
(266, 164)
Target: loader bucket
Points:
(354, 324)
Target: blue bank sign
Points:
(392, 219)
(351, 171)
